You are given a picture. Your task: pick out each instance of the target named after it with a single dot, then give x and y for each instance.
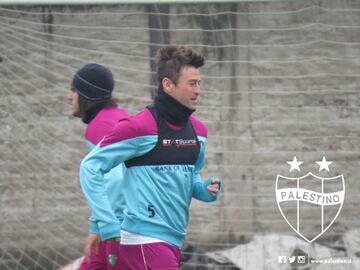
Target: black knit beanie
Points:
(93, 82)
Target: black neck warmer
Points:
(92, 112)
(171, 110)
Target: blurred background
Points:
(282, 79)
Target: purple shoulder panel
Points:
(141, 124)
(103, 123)
(200, 127)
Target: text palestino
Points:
(294, 194)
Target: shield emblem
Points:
(310, 204)
(112, 259)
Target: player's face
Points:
(187, 90)
(73, 97)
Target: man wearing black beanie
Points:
(91, 90)
(91, 100)
(163, 148)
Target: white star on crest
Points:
(324, 165)
(295, 165)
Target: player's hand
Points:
(91, 245)
(214, 187)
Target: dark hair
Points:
(88, 109)
(171, 59)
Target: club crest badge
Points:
(310, 204)
(112, 259)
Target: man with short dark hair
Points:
(163, 148)
(91, 99)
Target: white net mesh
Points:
(281, 80)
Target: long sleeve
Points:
(93, 227)
(121, 144)
(200, 191)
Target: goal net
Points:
(281, 80)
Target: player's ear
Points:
(168, 85)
